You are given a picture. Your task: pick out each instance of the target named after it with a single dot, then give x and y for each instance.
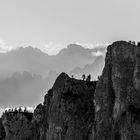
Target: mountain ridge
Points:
(95, 69)
(35, 61)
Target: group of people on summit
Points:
(88, 78)
(134, 43)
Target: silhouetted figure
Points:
(83, 77)
(138, 44)
(133, 42)
(15, 110)
(25, 109)
(88, 78)
(72, 76)
(19, 110)
(130, 41)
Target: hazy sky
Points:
(55, 23)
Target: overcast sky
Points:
(55, 23)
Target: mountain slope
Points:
(24, 59)
(24, 89)
(73, 56)
(95, 69)
(35, 61)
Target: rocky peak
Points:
(68, 110)
(117, 93)
(60, 81)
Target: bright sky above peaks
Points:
(52, 24)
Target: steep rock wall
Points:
(68, 111)
(117, 95)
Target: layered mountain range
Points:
(26, 73)
(35, 61)
(107, 109)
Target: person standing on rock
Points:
(83, 77)
(88, 78)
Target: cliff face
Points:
(68, 111)
(81, 110)
(117, 95)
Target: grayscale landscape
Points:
(69, 70)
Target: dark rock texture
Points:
(16, 126)
(2, 131)
(68, 111)
(117, 95)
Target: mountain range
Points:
(35, 61)
(27, 73)
(95, 69)
(73, 109)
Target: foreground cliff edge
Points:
(81, 110)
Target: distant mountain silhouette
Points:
(73, 56)
(35, 61)
(95, 69)
(24, 89)
(23, 59)
(27, 73)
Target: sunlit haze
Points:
(50, 25)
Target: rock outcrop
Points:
(66, 114)
(68, 110)
(16, 126)
(82, 110)
(117, 95)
